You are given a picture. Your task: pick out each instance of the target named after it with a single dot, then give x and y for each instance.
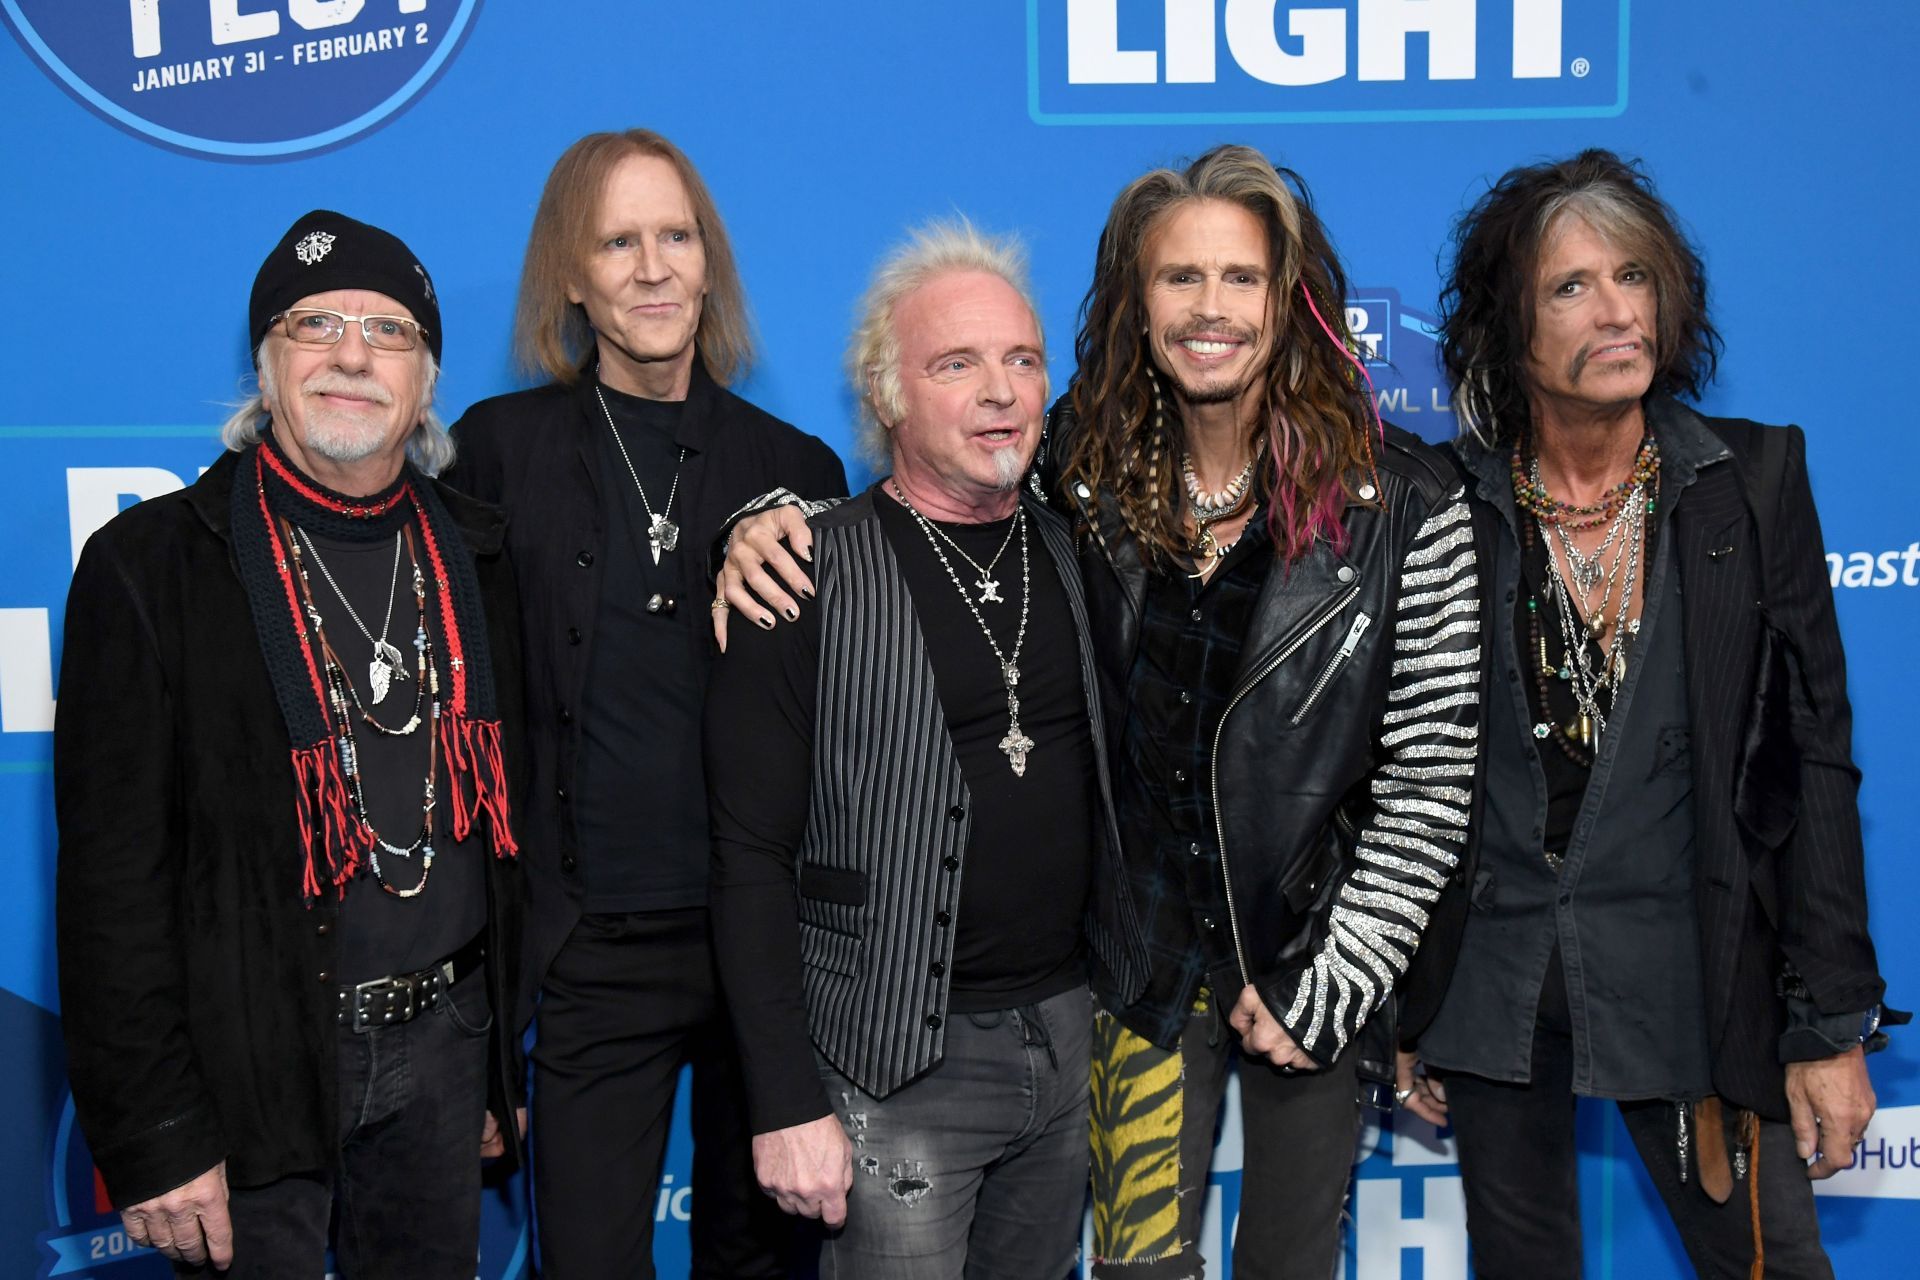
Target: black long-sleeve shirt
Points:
(1029, 854)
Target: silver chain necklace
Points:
(388, 665)
(1588, 684)
(1017, 745)
(1585, 570)
(988, 586)
(662, 533)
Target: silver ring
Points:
(1400, 1097)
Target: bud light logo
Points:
(243, 79)
(1401, 348)
(1323, 61)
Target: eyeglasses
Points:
(314, 327)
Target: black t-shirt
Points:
(641, 811)
(1029, 854)
(380, 933)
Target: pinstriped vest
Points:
(889, 807)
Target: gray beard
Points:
(1008, 470)
(339, 438)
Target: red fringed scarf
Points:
(333, 840)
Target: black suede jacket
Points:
(196, 987)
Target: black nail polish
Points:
(792, 614)
(766, 624)
(808, 594)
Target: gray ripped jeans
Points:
(977, 1170)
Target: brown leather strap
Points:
(1710, 1148)
(1750, 1135)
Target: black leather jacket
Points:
(1342, 768)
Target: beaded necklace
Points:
(344, 701)
(1531, 496)
(1578, 740)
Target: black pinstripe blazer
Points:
(1801, 899)
(1798, 897)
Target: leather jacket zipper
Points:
(1312, 629)
(1347, 646)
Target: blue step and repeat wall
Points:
(155, 149)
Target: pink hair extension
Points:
(1324, 518)
(1373, 404)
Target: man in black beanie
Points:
(288, 893)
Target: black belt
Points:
(402, 997)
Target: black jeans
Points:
(1155, 1113)
(412, 1101)
(629, 999)
(1519, 1165)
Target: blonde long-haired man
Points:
(613, 474)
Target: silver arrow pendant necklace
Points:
(387, 665)
(662, 533)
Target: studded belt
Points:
(402, 997)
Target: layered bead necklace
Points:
(344, 700)
(1612, 569)
(1210, 509)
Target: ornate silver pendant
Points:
(989, 590)
(1016, 744)
(662, 535)
(387, 666)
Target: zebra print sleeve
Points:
(1412, 828)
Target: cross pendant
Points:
(1016, 744)
(989, 589)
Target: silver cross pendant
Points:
(989, 589)
(1017, 744)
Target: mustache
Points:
(331, 382)
(1578, 365)
(1194, 329)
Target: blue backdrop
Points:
(157, 150)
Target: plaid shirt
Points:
(1182, 680)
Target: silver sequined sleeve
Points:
(1412, 828)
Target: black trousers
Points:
(1518, 1162)
(1154, 1114)
(407, 1192)
(629, 999)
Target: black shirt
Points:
(1566, 777)
(1029, 855)
(380, 933)
(1182, 680)
(641, 812)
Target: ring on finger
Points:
(1400, 1097)
(719, 605)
